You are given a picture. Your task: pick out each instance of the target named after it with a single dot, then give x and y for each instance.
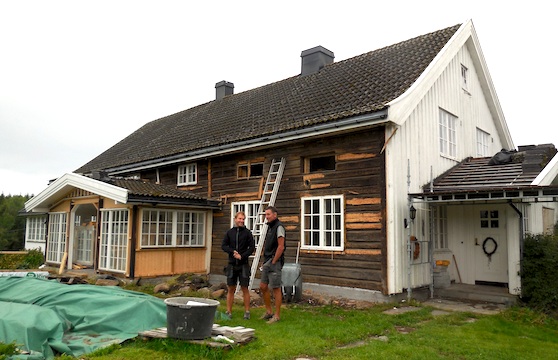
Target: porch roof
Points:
(124, 191)
(476, 179)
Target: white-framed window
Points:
(483, 139)
(172, 228)
(464, 77)
(448, 134)
(323, 222)
(114, 240)
(35, 230)
(440, 226)
(188, 174)
(250, 208)
(56, 244)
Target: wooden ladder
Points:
(269, 194)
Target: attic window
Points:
(187, 174)
(249, 170)
(464, 75)
(321, 163)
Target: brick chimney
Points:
(314, 59)
(223, 88)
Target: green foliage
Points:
(6, 350)
(32, 259)
(12, 226)
(538, 273)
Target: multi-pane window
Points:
(36, 228)
(187, 174)
(483, 139)
(440, 227)
(164, 228)
(489, 219)
(56, 237)
(322, 222)
(250, 209)
(448, 134)
(114, 240)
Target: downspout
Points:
(133, 241)
(409, 253)
(521, 241)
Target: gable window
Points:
(187, 174)
(440, 227)
(56, 244)
(483, 139)
(113, 248)
(172, 228)
(250, 208)
(319, 163)
(464, 77)
(249, 169)
(36, 229)
(322, 223)
(447, 126)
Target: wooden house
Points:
(360, 138)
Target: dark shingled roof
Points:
(140, 190)
(482, 174)
(360, 85)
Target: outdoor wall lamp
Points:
(412, 212)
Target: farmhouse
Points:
(378, 159)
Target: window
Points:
(188, 174)
(321, 163)
(464, 75)
(56, 237)
(440, 227)
(322, 223)
(250, 208)
(36, 229)
(114, 240)
(249, 170)
(448, 136)
(166, 228)
(483, 139)
(489, 219)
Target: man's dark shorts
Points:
(271, 274)
(236, 273)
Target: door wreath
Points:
(416, 250)
(484, 247)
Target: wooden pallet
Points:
(238, 334)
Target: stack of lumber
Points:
(237, 333)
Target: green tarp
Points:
(47, 318)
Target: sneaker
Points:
(266, 316)
(273, 320)
(228, 316)
(247, 315)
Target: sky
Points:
(76, 77)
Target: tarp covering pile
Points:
(46, 318)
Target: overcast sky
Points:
(76, 77)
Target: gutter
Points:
(321, 129)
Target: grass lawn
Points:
(329, 332)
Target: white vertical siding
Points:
(417, 141)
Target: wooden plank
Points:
(363, 217)
(353, 156)
(364, 201)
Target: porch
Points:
(477, 293)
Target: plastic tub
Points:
(190, 318)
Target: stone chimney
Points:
(314, 59)
(223, 88)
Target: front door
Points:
(491, 250)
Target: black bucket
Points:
(190, 318)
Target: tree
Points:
(12, 226)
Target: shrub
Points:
(32, 259)
(538, 273)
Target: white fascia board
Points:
(548, 175)
(69, 181)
